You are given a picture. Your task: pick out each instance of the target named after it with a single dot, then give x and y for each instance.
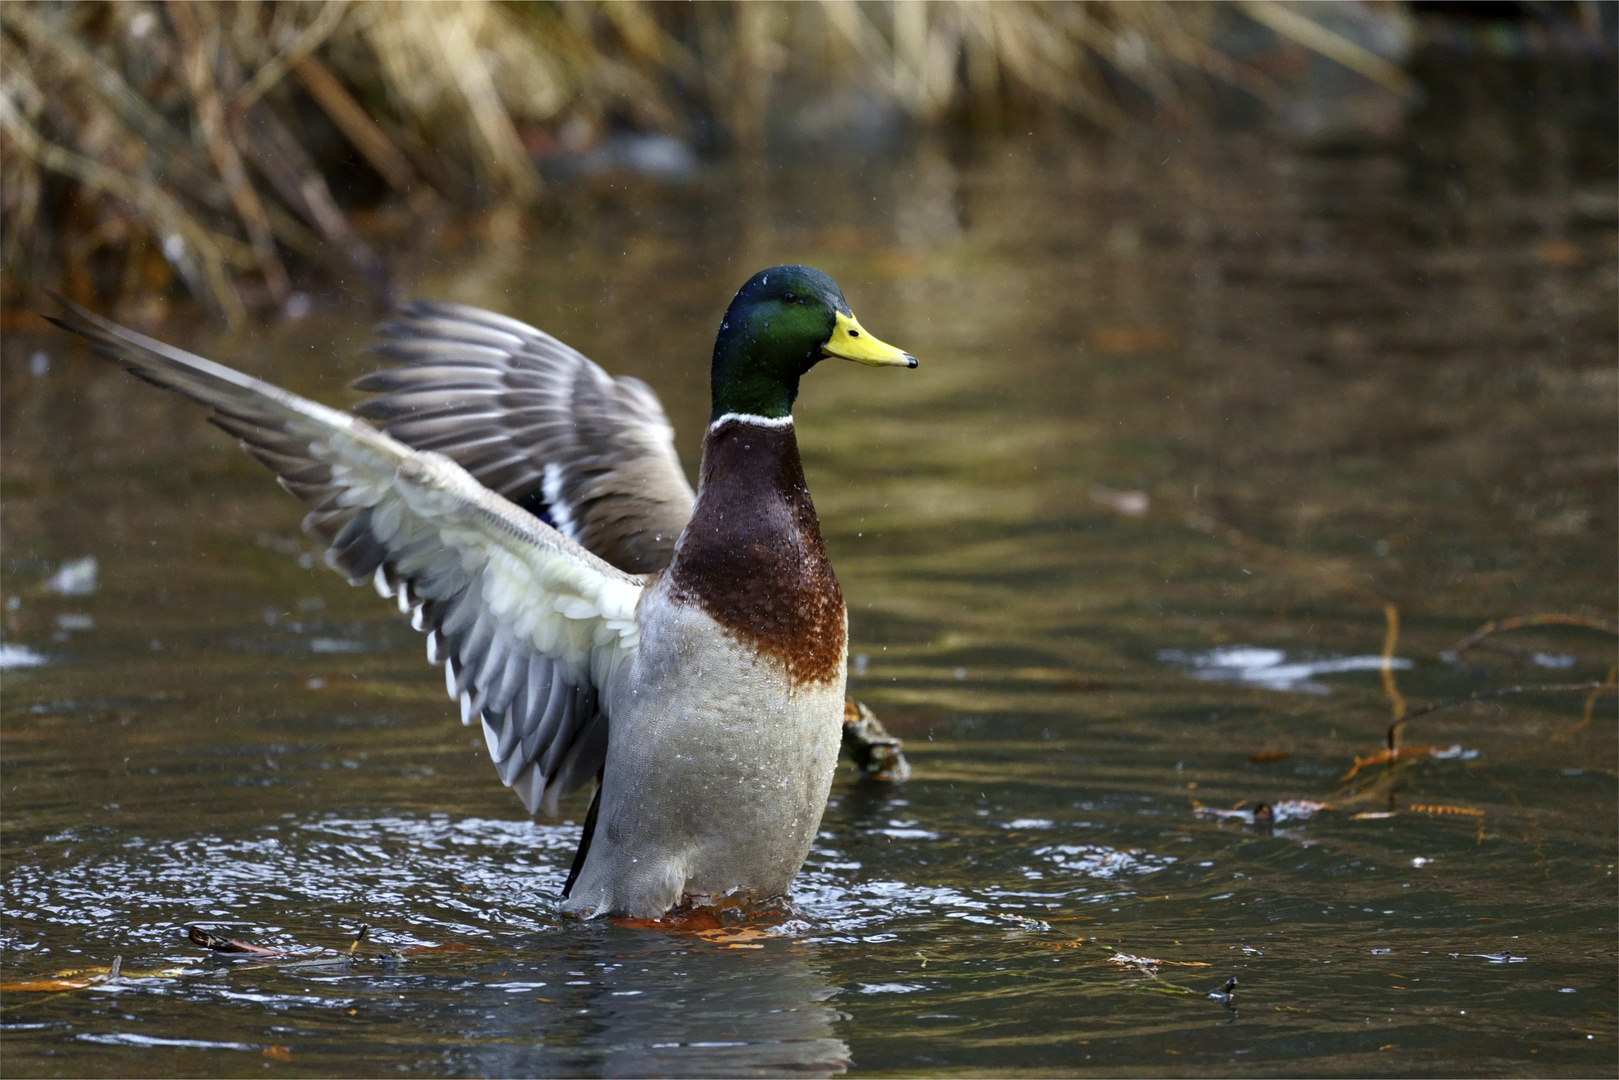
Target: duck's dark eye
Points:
(789, 298)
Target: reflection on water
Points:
(1186, 406)
(532, 995)
(19, 656)
(1268, 667)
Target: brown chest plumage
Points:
(752, 555)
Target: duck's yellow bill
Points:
(850, 342)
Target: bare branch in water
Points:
(216, 943)
(1497, 626)
(1593, 688)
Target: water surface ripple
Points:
(1195, 421)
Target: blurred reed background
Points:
(242, 152)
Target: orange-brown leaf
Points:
(32, 985)
(1444, 808)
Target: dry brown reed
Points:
(217, 145)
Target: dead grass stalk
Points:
(231, 148)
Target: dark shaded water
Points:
(1180, 403)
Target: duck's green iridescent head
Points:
(781, 324)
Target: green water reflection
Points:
(1175, 397)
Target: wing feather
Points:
(537, 422)
(529, 625)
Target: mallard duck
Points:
(604, 624)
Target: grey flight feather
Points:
(538, 423)
(529, 625)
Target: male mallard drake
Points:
(529, 513)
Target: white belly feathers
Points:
(717, 771)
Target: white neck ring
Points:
(751, 418)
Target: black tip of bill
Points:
(910, 361)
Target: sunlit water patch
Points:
(462, 913)
(431, 878)
(1271, 669)
(435, 879)
(20, 656)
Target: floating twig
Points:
(1591, 698)
(1444, 809)
(1519, 622)
(1593, 688)
(229, 945)
(76, 979)
(1391, 638)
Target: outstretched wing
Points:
(537, 422)
(528, 624)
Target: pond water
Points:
(1204, 429)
